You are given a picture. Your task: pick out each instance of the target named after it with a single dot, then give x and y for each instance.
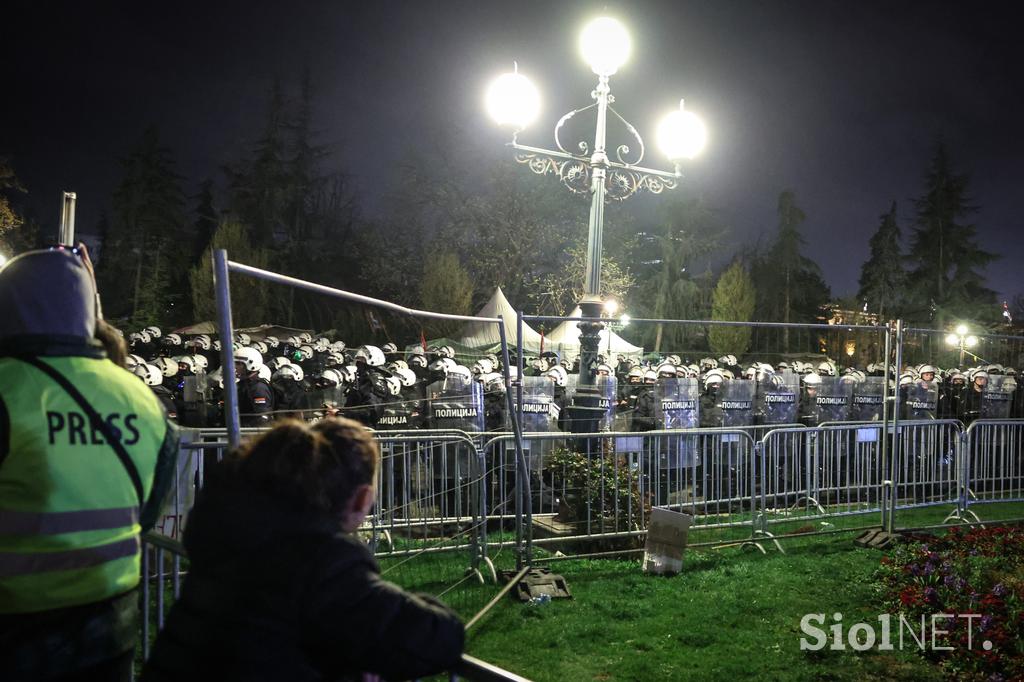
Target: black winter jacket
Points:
(280, 594)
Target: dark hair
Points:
(113, 343)
(315, 467)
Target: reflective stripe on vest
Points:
(50, 523)
(69, 514)
(23, 563)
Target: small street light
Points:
(962, 340)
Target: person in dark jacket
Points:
(278, 587)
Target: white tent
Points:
(565, 339)
(483, 335)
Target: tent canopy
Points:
(484, 335)
(256, 333)
(565, 339)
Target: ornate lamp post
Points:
(512, 100)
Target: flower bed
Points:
(967, 571)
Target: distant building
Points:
(837, 314)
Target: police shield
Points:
(677, 404)
(456, 403)
(777, 399)
(997, 398)
(607, 388)
(736, 401)
(922, 400)
(539, 415)
(835, 395)
(539, 411)
(868, 397)
(398, 414)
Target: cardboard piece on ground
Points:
(666, 541)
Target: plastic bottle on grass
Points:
(540, 600)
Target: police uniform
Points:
(86, 456)
(255, 401)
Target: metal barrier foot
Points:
(810, 500)
(489, 567)
(769, 536)
(476, 572)
(965, 516)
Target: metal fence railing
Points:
(164, 568)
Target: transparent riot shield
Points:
(625, 406)
(868, 397)
(677, 404)
(456, 403)
(608, 388)
(736, 400)
(997, 398)
(195, 392)
(835, 395)
(539, 415)
(777, 399)
(922, 400)
(398, 415)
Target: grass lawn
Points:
(731, 614)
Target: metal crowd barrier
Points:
(430, 497)
(993, 464)
(451, 491)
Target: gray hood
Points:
(47, 293)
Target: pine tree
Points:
(147, 227)
(259, 186)
(249, 296)
(207, 219)
(733, 300)
(882, 279)
(789, 285)
(944, 254)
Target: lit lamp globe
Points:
(512, 100)
(961, 329)
(953, 340)
(972, 341)
(681, 135)
(605, 45)
(3, 259)
(624, 319)
(611, 306)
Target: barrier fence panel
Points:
(925, 471)
(604, 485)
(429, 527)
(994, 462)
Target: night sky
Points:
(839, 101)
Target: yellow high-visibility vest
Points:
(69, 510)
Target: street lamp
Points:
(605, 45)
(960, 338)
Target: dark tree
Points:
(945, 258)
(207, 219)
(259, 185)
(789, 285)
(882, 279)
(143, 268)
